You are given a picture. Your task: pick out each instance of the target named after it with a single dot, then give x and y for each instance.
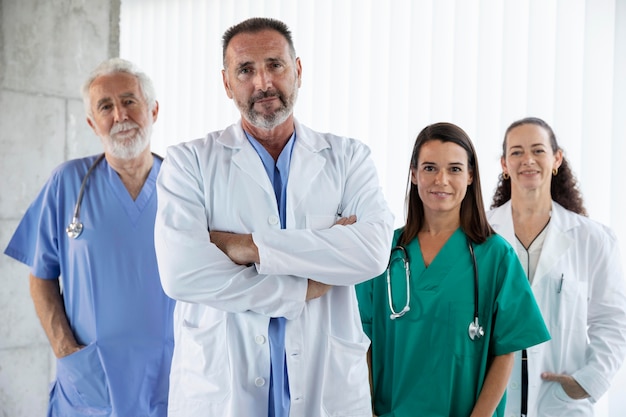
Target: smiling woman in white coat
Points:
(573, 265)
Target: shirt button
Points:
(514, 385)
(259, 382)
(273, 219)
(259, 339)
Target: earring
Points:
(555, 171)
(505, 176)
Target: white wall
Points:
(381, 70)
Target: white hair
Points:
(115, 65)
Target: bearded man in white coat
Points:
(266, 321)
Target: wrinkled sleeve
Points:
(343, 255)
(194, 270)
(606, 319)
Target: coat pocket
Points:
(346, 389)
(558, 404)
(205, 363)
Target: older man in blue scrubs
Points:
(94, 278)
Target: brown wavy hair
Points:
(473, 219)
(564, 186)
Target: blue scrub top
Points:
(111, 290)
(278, 173)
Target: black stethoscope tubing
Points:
(475, 329)
(75, 228)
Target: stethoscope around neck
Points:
(75, 228)
(475, 330)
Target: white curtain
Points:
(380, 70)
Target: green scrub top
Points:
(424, 363)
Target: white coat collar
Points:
(234, 137)
(558, 239)
(306, 161)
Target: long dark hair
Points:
(564, 186)
(473, 219)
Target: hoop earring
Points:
(505, 176)
(555, 171)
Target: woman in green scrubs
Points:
(426, 359)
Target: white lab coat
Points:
(221, 363)
(586, 318)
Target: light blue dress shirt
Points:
(278, 173)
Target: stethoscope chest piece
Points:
(475, 330)
(74, 229)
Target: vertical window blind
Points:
(380, 71)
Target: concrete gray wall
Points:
(47, 48)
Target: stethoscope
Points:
(475, 330)
(75, 228)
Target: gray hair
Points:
(113, 66)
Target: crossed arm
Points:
(242, 250)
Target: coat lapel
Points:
(501, 219)
(245, 157)
(558, 241)
(306, 164)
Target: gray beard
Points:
(130, 148)
(270, 121)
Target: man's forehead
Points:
(265, 44)
(117, 84)
(104, 98)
